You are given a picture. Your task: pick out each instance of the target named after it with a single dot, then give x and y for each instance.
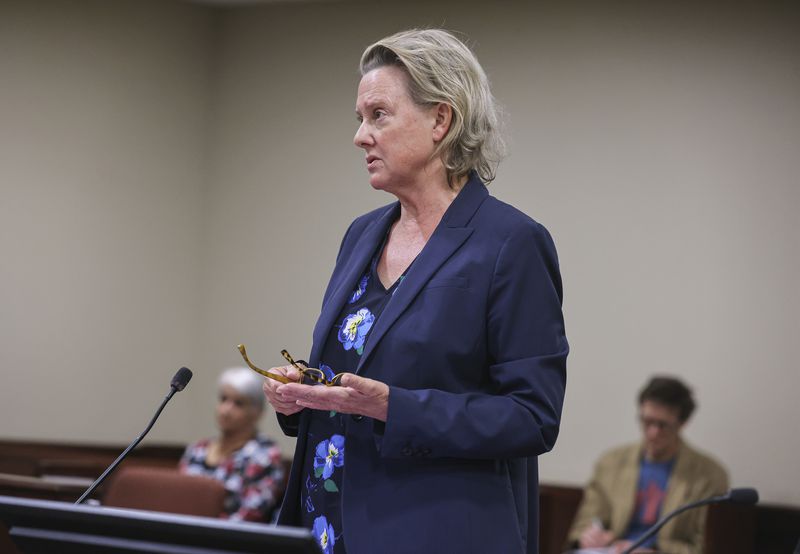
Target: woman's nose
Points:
(362, 137)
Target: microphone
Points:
(178, 383)
(742, 496)
(735, 496)
(181, 379)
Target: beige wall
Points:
(190, 172)
(103, 135)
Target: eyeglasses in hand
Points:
(310, 375)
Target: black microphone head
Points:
(743, 496)
(181, 379)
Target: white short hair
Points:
(246, 382)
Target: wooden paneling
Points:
(27, 469)
(730, 529)
(777, 529)
(557, 508)
(85, 460)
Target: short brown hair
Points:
(670, 392)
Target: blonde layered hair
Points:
(442, 69)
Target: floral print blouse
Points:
(253, 477)
(325, 462)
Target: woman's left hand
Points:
(354, 395)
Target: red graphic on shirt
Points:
(648, 502)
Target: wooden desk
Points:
(50, 488)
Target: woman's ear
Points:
(444, 117)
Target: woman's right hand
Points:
(279, 404)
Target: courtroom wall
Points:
(180, 177)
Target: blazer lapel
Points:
(676, 487)
(449, 235)
(362, 253)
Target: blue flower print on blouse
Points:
(329, 455)
(329, 374)
(323, 532)
(359, 292)
(354, 329)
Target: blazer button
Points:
(406, 451)
(357, 417)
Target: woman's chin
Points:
(378, 182)
(225, 428)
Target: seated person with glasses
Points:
(634, 485)
(246, 462)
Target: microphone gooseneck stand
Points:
(738, 496)
(178, 383)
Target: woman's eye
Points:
(378, 114)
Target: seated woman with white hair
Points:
(245, 461)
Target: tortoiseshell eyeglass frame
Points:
(313, 375)
(317, 376)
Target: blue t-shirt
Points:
(650, 493)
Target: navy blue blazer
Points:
(473, 348)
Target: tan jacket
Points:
(611, 494)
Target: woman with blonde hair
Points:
(443, 317)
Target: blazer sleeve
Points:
(518, 412)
